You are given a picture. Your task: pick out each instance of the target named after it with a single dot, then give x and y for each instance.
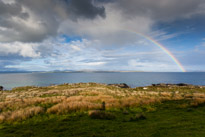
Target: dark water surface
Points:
(133, 79)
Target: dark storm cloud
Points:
(36, 20)
(74, 8)
(161, 9)
(11, 10)
(7, 11)
(84, 8)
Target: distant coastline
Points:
(97, 71)
(68, 71)
(133, 78)
(93, 71)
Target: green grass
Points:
(166, 119)
(172, 89)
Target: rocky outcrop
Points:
(1, 88)
(183, 84)
(159, 85)
(121, 85)
(169, 85)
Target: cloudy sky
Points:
(46, 35)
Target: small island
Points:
(92, 109)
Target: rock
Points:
(160, 84)
(1, 88)
(171, 85)
(121, 85)
(183, 84)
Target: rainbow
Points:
(176, 61)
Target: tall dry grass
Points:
(22, 103)
(15, 104)
(197, 101)
(21, 114)
(66, 107)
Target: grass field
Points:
(92, 109)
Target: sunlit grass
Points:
(24, 102)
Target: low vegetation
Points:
(92, 102)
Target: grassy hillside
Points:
(90, 109)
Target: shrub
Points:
(197, 102)
(138, 117)
(98, 114)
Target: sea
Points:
(133, 79)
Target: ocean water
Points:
(133, 79)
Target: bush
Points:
(98, 114)
(138, 117)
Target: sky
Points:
(108, 35)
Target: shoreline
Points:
(132, 79)
(122, 85)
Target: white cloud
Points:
(152, 66)
(9, 1)
(91, 64)
(107, 43)
(112, 30)
(83, 54)
(75, 47)
(200, 48)
(19, 48)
